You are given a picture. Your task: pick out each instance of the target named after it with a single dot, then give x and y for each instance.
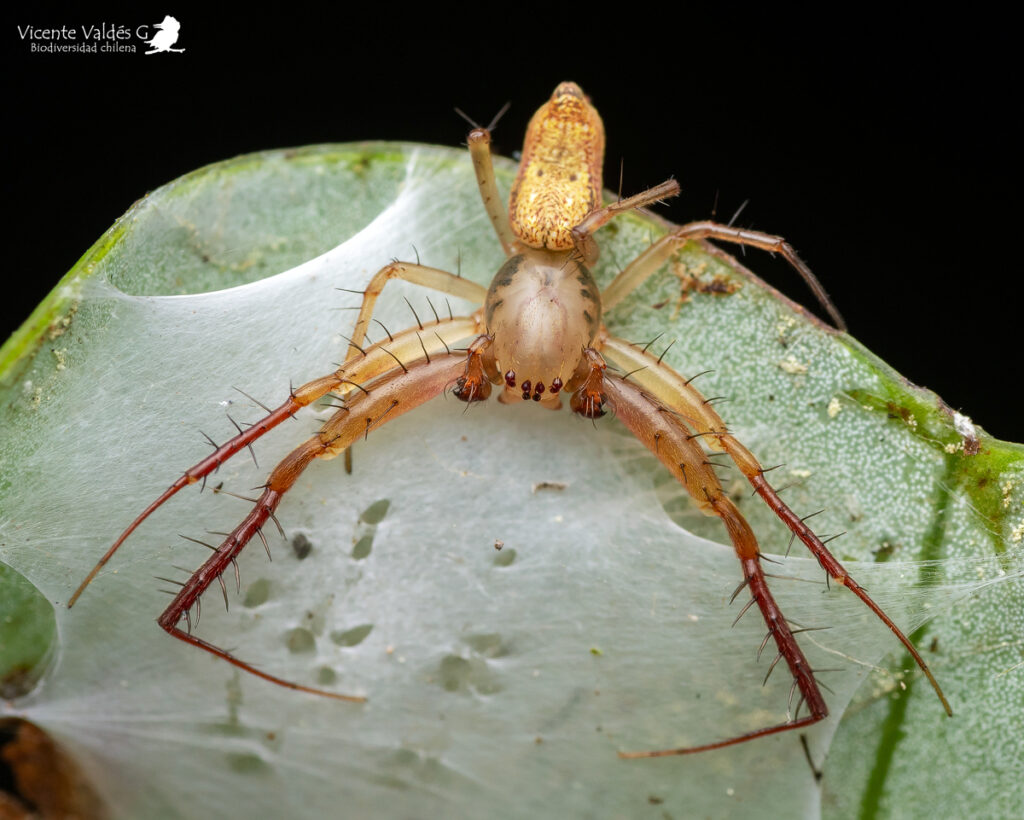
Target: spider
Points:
(539, 334)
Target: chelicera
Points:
(539, 335)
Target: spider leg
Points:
(664, 435)
(432, 278)
(376, 360)
(669, 388)
(583, 234)
(390, 396)
(480, 151)
(648, 262)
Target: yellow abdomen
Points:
(559, 179)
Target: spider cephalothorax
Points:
(543, 310)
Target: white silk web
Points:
(499, 683)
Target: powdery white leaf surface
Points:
(499, 683)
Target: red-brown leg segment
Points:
(839, 574)
(386, 399)
(377, 359)
(661, 432)
(668, 387)
(417, 274)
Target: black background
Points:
(881, 146)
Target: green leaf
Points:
(486, 696)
